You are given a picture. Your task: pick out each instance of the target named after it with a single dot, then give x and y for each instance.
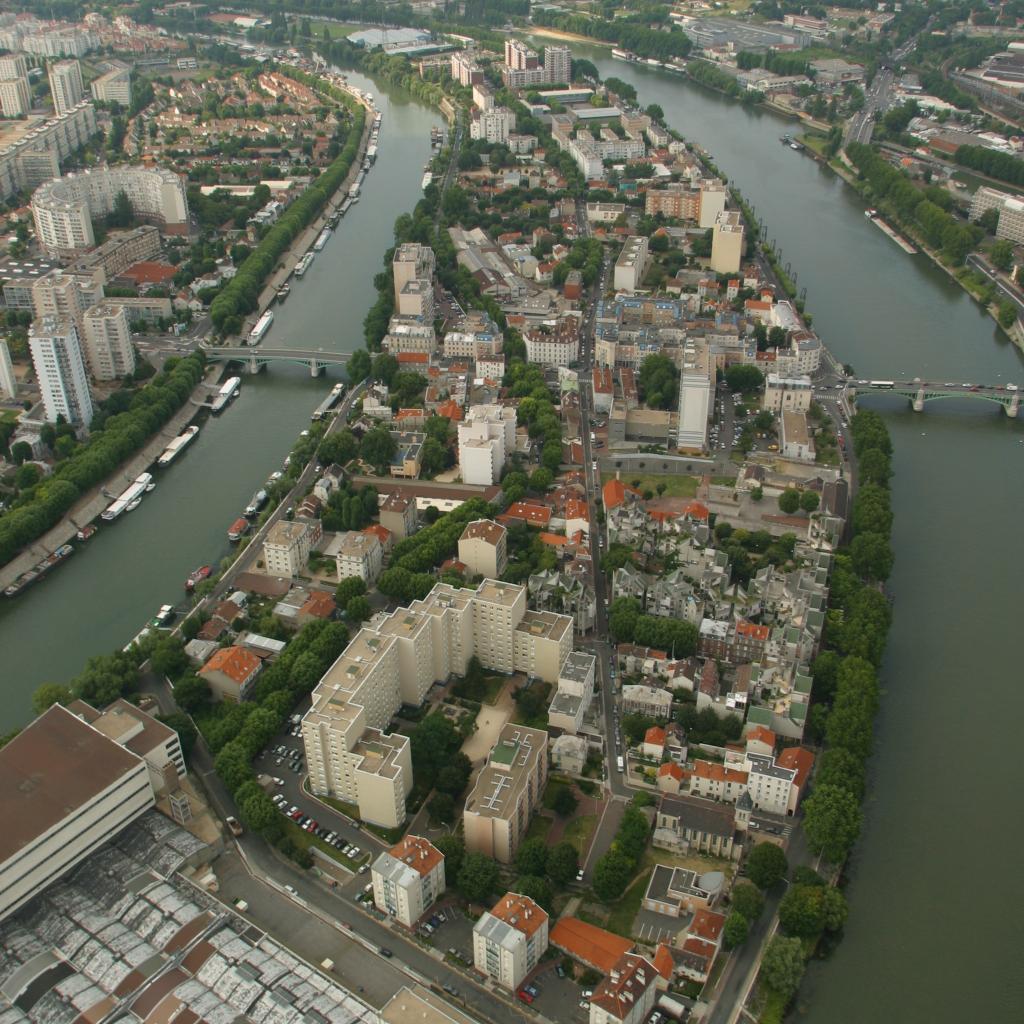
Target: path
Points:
(489, 723)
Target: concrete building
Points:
(787, 394)
(558, 64)
(15, 97)
(62, 295)
(8, 382)
(510, 939)
(507, 791)
(554, 345)
(727, 242)
(231, 673)
(65, 790)
(416, 300)
(121, 250)
(60, 371)
(13, 65)
(696, 395)
(36, 155)
(407, 879)
(66, 85)
(631, 265)
(483, 548)
(286, 548)
(627, 994)
(64, 209)
(114, 86)
(410, 335)
(795, 441)
(486, 438)
(108, 342)
(494, 125)
(411, 262)
(398, 514)
(465, 70)
(574, 692)
(357, 554)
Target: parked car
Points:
(525, 996)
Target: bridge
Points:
(919, 392)
(258, 356)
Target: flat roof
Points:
(49, 770)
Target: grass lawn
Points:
(335, 31)
(305, 840)
(495, 684)
(675, 486)
(389, 835)
(694, 862)
(724, 481)
(624, 912)
(814, 141)
(579, 832)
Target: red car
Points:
(525, 996)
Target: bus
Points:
(884, 385)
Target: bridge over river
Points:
(258, 356)
(919, 392)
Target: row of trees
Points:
(921, 209)
(629, 625)
(644, 41)
(241, 294)
(992, 163)
(706, 73)
(617, 868)
(114, 440)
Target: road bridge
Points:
(919, 392)
(258, 356)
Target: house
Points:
(671, 777)
(319, 605)
(681, 891)
(398, 514)
(701, 945)
(687, 823)
(231, 672)
(653, 744)
(593, 946)
(799, 760)
(627, 994)
(569, 754)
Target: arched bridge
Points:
(919, 392)
(256, 357)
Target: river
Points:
(99, 599)
(934, 932)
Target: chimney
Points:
(615, 977)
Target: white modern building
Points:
(15, 97)
(286, 548)
(631, 265)
(407, 879)
(114, 86)
(60, 370)
(574, 692)
(727, 243)
(357, 554)
(510, 939)
(486, 438)
(66, 85)
(65, 790)
(8, 382)
(483, 548)
(64, 209)
(46, 143)
(108, 342)
(696, 395)
(558, 64)
(66, 295)
(494, 125)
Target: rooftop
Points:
(486, 530)
(520, 912)
(626, 984)
(599, 948)
(235, 662)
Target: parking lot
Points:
(555, 997)
(653, 928)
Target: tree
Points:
(441, 809)
(657, 381)
(875, 467)
(532, 857)
(834, 909)
(49, 694)
(1001, 255)
(744, 377)
(478, 877)
(537, 889)
(612, 874)
(842, 769)
(191, 693)
(452, 778)
(169, 657)
(454, 851)
(351, 586)
(565, 802)
(832, 820)
(747, 900)
(358, 366)
(433, 742)
(809, 501)
(783, 965)
(563, 863)
(789, 501)
(378, 447)
(541, 479)
(121, 215)
(872, 556)
(358, 609)
(766, 865)
(21, 451)
(735, 931)
(800, 911)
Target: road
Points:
(978, 262)
(877, 98)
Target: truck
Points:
(232, 823)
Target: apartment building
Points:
(60, 371)
(465, 70)
(574, 692)
(474, 336)
(63, 295)
(39, 151)
(486, 438)
(120, 251)
(507, 791)
(494, 125)
(398, 514)
(8, 382)
(787, 394)
(696, 395)
(510, 939)
(702, 204)
(108, 342)
(727, 242)
(541, 643)
(66, 85)
(15, 97)
(483, 548)
(114, 86)
(231, 673)
(287, 546)
(356, 554)
(631, 265)
(66, 788)
(795, 441)
(627, 994)
(410, 335)
(558, 64)
(407, 879)
(556, 344)
(411, 262)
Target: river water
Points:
(115, 583)
(934, 933)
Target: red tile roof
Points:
(450, 410)
(625, 986)
(655, 735)
(149, 272)
(751, 629)
(520, 912)
(527, 512)
(236, 663)
(419, 853)
(614, 494)
(663, 962)
(556, 540)
(672, 769)
(413, 357)
(319, 605)
(382, 533)
(762, 735)
(798, 758)
(707, 925)
(718, 772)
(594, 946)
(576, 509)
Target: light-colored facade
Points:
(574, 692)
(114, 86)
(120, 251)
(60, 371)
(696, 395)
(494, 125)
(407, 879)
(558, 64)
(357, 554)
(286, 548)
(411, 262)
(652, 701)
(66, 85)
(231, 673)
(631, 265)
(486, 438)
(483, 548)
(795, 441)
(15, 97)
(787, 394)
(406, 335)
(398, 514)
(65, 790)
(37, 155)
(507, 791)
(627, 995)
(61, 295)
(727, 243)
(63, 210)
(510, 939)
(541, 643)
(8, 382)
(108, 342)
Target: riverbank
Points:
(569, 37)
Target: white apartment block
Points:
(15, 97)
(510, 939)
(108, 342)
(787, 394)
(416, 300)
(409, 336)
(114, 86)
(727, 243)
(712, 203)
(286, 548)
(627, 994)
(13, 65)
(574, 692)
(59, 42)
(63, 295)
(411, 262)
(486, 438)
(483, 96)
(60, 370)
(631, 265)
(483, 548)
(507, 791)
(8, 382)
(407, 879)
(556, 345)
(772, 788)
(66, 85)
(696, 395)
(558, 64)
(357, 554)
(493, 125)
(64, 209)
(465, 70)
(541, 643)
(36, 157)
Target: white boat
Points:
(129, 499)
(322, 239)
(228, 390)
(150, 487)
(261, 327)
(427, 179)
(303, 265)
(133, 505)
(172, 451)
